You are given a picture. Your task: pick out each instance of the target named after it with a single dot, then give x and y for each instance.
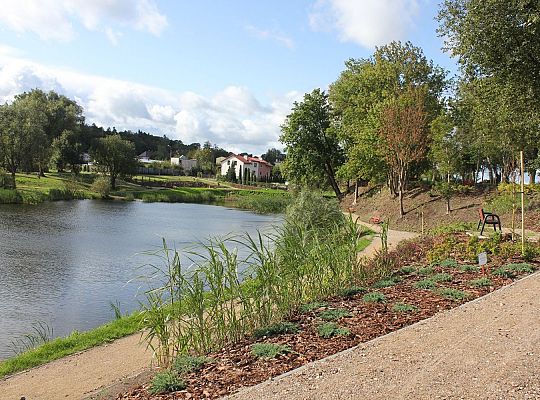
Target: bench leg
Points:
(483, 225)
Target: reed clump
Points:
(236, 286)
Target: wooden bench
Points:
(487, 218)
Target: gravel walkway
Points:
(485, 349)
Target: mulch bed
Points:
(236, 367)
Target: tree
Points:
(273, 155)
(404, 131)
(359, 96)
(313, 154)
(116, 156)
(231, 174)
(21, 132)
(67, 151)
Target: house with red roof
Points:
(257, 166)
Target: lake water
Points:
(63, 263)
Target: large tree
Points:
(67, 151)
(313, 153)
(116, 156)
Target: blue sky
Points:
(224, 71)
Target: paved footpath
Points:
(486, 349)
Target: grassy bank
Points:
(77, 341)
(59, 186)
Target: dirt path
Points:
(485, 349)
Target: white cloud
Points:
(266, 34)
(368, 23)
(55, 19)
(232, 118)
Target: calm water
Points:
(65, 262)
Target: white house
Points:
(257, 166)
(187, 164)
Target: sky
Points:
(226, 71)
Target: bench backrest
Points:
(481, 214)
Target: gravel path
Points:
(485, 349)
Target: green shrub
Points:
(480, 282)
(425, 271)
(269, 350)
(102, 186)
(448, 263)
(329, 329)
(453, 294)
(310, 307)
(468, 268)
(404, 308)
(442, 277)
(374, 297)
(276, 329)
(165, 382)
(407, 270)
(352, 291)
(310, 209)
(426, 284)
(186, 364)
(385, 283)
(334, 314)
(513, 269)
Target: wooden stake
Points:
(522, 203)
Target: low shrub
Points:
(374, 297)
(407, 270)
(269, 350)
(468, 268)
(329, 329)
(425, 284)
(310, 307)
(352, 291)
(276, 329)
(480, 282)
(404, 308)
(186, 364)
(426, 271)
(453, 294)
(102, 186)
(334, 314)
(165, 382)
(442, 277)
(385, 283)
(513, 269)
(448, 263)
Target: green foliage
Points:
(452, 228)
(404, 308)
(352, 291)
(276, 329)
(385, 283)
(448, 263)
(269, 350)
(452, 294)
(102, 186)
(334, 314)
(166, 382)
(425, 271)
(311, 210)
(480, 282)
(442, 277)
(310, 307)
(313, 152)
(511, 270)
(330, 329)
(425, 284)
(374, 297)
(116, 156)
(407, 270)
(468, 268)
(265, 204)
(185, 364)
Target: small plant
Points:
(186, 364)
(468, 268)
(407, 270)
(102, 186)
(310, 307)
(480, 282)
(352, 291)
(269, 350)
(374, 297)
(425, 284)
(453, 294)
(513, 269)
(330, 329)
(385, 283)
(165, 382)
(425, 271)
(335, 314)
(404, 308)
(276, 329)
(448, 263)
(442, 277)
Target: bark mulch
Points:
(236, 367)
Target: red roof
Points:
(249, 160)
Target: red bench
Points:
(487, 218)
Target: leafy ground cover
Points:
(375, 310)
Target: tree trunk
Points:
(113, 182)
(355, 191)
(332, 179)
(13, 180)
(448, 210)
